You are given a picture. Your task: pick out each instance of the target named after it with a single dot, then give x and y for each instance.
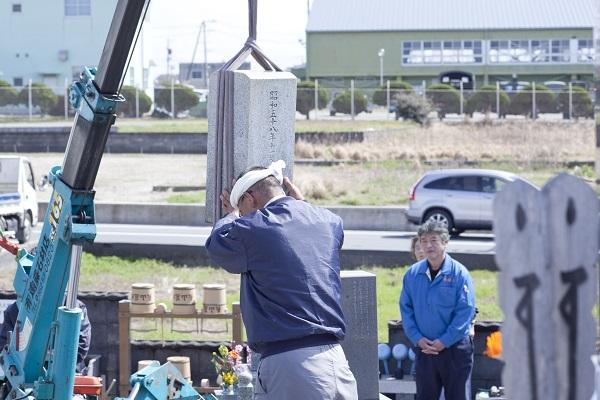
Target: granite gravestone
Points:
(264, 114)
(547, 245)
(359, 303)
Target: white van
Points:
(18, 200)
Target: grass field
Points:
(117, 274)
(361, 184)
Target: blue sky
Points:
(281, 25)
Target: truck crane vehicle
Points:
(39, 359)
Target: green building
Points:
(473, 41)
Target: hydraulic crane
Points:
(39, 360)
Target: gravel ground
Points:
(131, 177)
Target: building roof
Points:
(449, 15)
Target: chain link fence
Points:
(444, 101)
(314, 101)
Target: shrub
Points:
(341, 103)
(484, 101)
(184, 97)
(396, 87)
(305, 97)
(128, 109)
(582, 103)
(41, 96)
(58, 109)
(545, 101)
(445, 99)
(8, 94)
(413, 107)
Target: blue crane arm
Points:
(39, 359)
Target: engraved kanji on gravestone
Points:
(547, 244)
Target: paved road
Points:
(354, 240)
(185, 245)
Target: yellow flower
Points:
(229, 378)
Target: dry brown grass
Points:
(391, 161)
(515, 141)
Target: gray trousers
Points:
(310, 373)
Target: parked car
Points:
(458, 198)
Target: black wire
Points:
(130, 55)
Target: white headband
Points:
(247, 180)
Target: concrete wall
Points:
(54, 139)
(35, 140)
(391, 218)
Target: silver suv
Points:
(459, 198)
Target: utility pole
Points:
(205, 72)
(381, 53)
(168, 58)
(143, 86)
(201, 31)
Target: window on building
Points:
(560, 51)
(196, 74)
(502, 51)
(412, 53)
(442, 52)
(529, 51)
(471, 52)
(16, 8)
(585, 50)
(451, 51)
(17, 82)
(540, 51)
(77, 7)
(432, 52)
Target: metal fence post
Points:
(498, 99)
(316, 97)
(66, 98)
(137, 103)
(352, 98)
(172, 98)
(570, 100)
(533, 107)
(387, 111)
(462, 98)
(424, 88)
(29, 100)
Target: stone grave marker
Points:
(547, 245)
(264, 114)
(359, 303)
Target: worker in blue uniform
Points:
(287, 252)
(85, 331)
(437, 304)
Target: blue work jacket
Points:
(440, 309)
(288, 256)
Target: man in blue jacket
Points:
(437, 306)
(287, 252)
